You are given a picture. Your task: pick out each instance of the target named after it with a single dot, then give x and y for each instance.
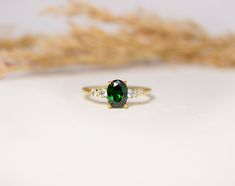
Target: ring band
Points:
(117, 93)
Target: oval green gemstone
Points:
(117, 94)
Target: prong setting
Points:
(109, 106)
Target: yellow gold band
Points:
(101, 91)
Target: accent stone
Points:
(100, 92)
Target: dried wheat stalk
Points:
(144, 37)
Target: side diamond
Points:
(134, 93)
(102, 92)
(131, 93)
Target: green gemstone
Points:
(117, 94)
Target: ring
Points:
(117, 93)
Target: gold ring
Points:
(117, 93)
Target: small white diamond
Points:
(131, 93)
(102, 93)
(134, 93)
(94, 92)
(140, 92)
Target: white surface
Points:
(51, 135)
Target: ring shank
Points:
(145, 90)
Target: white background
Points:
(51, 135)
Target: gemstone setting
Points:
(117, 92)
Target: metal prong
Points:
(109, 82)
(125, 106)
(109, 106)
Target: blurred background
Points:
(51, 135)
(215, 15)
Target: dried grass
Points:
(137, 37)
